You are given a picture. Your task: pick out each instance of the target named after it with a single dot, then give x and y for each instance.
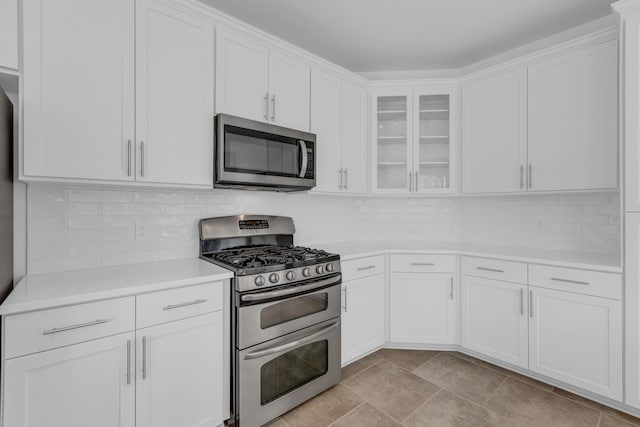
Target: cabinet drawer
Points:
(43, 330)
(173, 304)
(421, 263)
(596, 283)
(363, 267)
(507, 271)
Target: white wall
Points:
(77, 227)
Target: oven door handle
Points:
(290, 345)
(305, 159)
(295, 290)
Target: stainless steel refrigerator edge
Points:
(6, 196)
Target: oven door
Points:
(278, 375)
(263, 316)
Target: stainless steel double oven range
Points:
(285, 314)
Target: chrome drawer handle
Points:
(368, 267)
(494, 270)
(422, 263)
(184, 304)
(79, 325)
(577, 282)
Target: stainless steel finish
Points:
(494, 270)
(345, 290)
(346, 179)
(291, 275)
(330, 268)
(530, 303)
(274, 278)
(305, 158)
(141, 158)
(228, 226)
(530, 179)
(423, 263)
(128, 362)
(266, 106)
(144, 357)
(451, 290)
(306, 272)
(577, 282)
(368, 267)
(77, 326)
(259, 281)
(340, 178)
(521, 302)
(184, 304)
(320, 269)
(521, 176)
(290, 345)
(273, 108)
(262, 296)
(129, 157)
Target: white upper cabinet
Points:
(258, 83)
(80, 77)
(338, 118)
(494, 133)
(9, 34)
(78, 89)
(174, 96)
(573, 120)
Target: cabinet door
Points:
(495, 319)
(422, 309)
(393, 138)
(630, 34)
(179, 373)
(288, 92)
(632, 308)
(242, 77)
(577, 339)
(9, 34)
(75, 386)
(494, 132)
(326, 117)
(573, 120)
(174, 96)
(78, 88)
(362, 317)
(354, 138)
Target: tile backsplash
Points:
(80, 227)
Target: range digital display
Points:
(253, 224)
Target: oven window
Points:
(293, 308)
(292, 370)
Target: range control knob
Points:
(306, 272)
(259, 281)
(329, 267)
(274, 278)
(320, 269)
(291, 275)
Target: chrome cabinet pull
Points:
(410, 183)
(451, 290)
(266, 106)
(521, 176)
(494, 270)
(128, 362)
(273, 108)
(368, 267)
(530, 181)
(346, 179)
(422, 263)
(184, 304)
(340, 177)
(290, 345)
(79, 325)
(345, 299)
(416, 173)
(144, 357)
(521, 302)
(129, 157)
(141, 158)
(531, 304)
(577, 282)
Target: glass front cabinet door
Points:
(414, 141)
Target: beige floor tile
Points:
(530, 406)
(323, 409)
(595, 405)
(446, 409)
(407, 359)
(359, 365)
(465, 378)
(366, 415)
(392, 389)
(276, 423)
(610, 421)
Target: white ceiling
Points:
(389, 35)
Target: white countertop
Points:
(47, 290)
(353, 250)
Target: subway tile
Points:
(83, 209)
(123, 233)
(48, 193)
(158, 197)
(116, 196)
(172, 209)
(115, 209)
(88, 196)
(77, 249)
(145, 209)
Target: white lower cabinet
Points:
(86, 384)
(577, 339)
(179, 373)
(494, 319)
(422, 308)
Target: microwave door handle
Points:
(305, 160)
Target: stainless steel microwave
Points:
(261, 156)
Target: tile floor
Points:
(415, 388)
